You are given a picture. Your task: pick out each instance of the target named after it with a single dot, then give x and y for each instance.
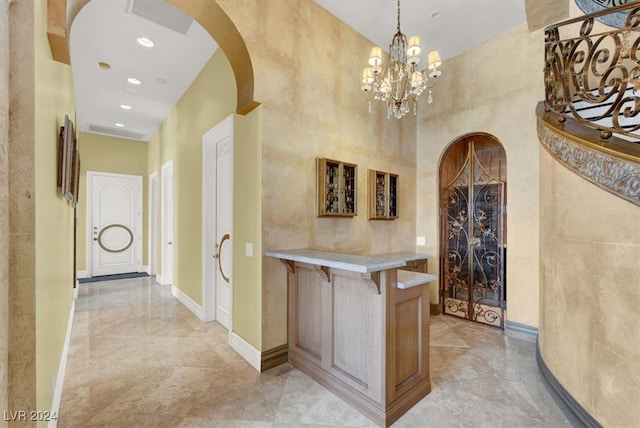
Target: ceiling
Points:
(182, 47)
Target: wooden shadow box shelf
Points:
(337, 188)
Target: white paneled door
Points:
(115, 226)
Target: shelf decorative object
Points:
(383, 195)
(337, 185)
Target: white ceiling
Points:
(461, 25)
(106, 31)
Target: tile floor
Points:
(139, 358)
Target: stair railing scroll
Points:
(592, 75)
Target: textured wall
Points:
(4, 199)
(499, 98)
(22, 281)
(590, 291)
(110, 154)
(312, 106)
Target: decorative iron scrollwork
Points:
(593, 78)
(472, 225)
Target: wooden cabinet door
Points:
(407, 341)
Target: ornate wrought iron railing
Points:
(592, 72)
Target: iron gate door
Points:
(472, 262)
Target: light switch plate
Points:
(248, 249)
(421, 240)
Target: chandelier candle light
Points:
(400, 81)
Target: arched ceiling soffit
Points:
(61, 13)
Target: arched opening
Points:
(473, 181)
(61, 13)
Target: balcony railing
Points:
(592, 72)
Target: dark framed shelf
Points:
(383, 195)
(337, 188)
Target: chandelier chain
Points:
(398, 16)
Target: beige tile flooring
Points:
(139, 358)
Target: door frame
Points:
(224, 129)
(153, 223)
(89, 217)
(166, 211)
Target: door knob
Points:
(169, 243)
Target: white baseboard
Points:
(82, 274)
(75, 290)
(160, 279)
(145, 269)
(188, 302)
(246, 350)
(57, 395)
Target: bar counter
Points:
(358, 330)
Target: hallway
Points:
(139, 358)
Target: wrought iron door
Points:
(472, 262)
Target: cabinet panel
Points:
(407, 341)
(337, 185)
(383, 195)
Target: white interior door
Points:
(167, 224)
(153, 223)
(218, 222)
(224, 225)
(115, 205)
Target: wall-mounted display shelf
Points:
(337, 182)
(383, 195)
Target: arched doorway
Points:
(473, 229)
(61, 13)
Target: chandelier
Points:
(400, 82)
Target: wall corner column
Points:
(21, 209)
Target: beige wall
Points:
(590, 290)
(110, 154)
(4, 199)
(492, 88)
(53, 214)
(312, 106)
(247, 221)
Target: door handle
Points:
(217, 256)
(169, 243)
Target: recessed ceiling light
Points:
(125, 107)
(146, 42)
(161, 80)
(134, 81)
(104, 65)
(119, 125)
